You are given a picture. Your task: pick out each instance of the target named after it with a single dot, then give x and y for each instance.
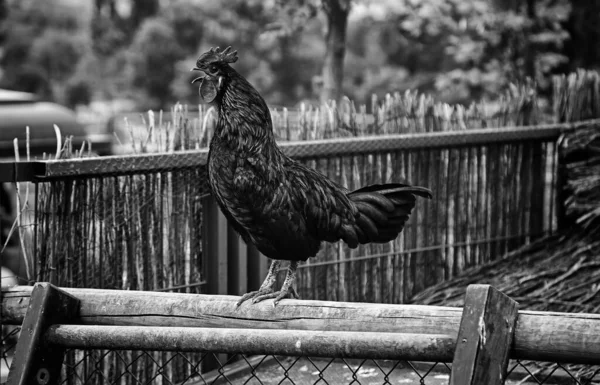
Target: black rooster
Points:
(274, 202)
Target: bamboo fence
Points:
(141, 230)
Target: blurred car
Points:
(21, 109)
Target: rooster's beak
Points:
(198, 78)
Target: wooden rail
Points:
(141, 163)
(389, 346)
(546, 336)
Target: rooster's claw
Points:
(254, 295)
(278, 295)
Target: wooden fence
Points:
(478, 340)
(146, 222)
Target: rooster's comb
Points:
(225, 56)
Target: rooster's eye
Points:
(213, 68)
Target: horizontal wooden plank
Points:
(445, 139)
(20, 171)
(562, 337)
(399, 346)
(142, 163)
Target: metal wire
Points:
(145, 367)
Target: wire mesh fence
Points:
(138, 367)
(128, 367)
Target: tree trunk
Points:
(335, 40)
(530, 53)
(143, 9)
(583, 49)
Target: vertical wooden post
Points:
(34, 361)
(216, 252)
(561, 179)
(485, 336)
(258, 267)
(237, 260)
(215, 246)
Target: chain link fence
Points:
(121, 367)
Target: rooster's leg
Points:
(267, 285)
(287, 290)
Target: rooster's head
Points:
(215, 65)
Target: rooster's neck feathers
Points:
(244, 118)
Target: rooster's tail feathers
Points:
(383, 211)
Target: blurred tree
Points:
(486, 44)
(115, 23)
(78, 92)
(3, 16)
(57, 54)
(42, 44)
(143, 9)
(153, 55)
(458, 50)
(583, 26)
(107, 36)
(335, 39)
(186, 19)
(292, 18)
(281, 69)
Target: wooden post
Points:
(237, 262)
(220, 253)
(36, 362)
(484, 338)
(560, 195)
(215, 246)
(258, 267)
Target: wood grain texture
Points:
(216, 243)
(34, 361)
(367, 345)
(546, 336)
(484, 337)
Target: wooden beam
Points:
(258, 267)
(400, 346)
(34, 361)
(216, 244)
(237, 257)
(484, 338)
(143, 163)
(544, 336)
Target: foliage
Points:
(463, 50)
(107, 37)
(79, 91)
(154, 53)
(41, 48)
(57, 54)
(457, 50)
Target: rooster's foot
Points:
(290, 292)
(254, 295)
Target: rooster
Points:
(281, 206)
